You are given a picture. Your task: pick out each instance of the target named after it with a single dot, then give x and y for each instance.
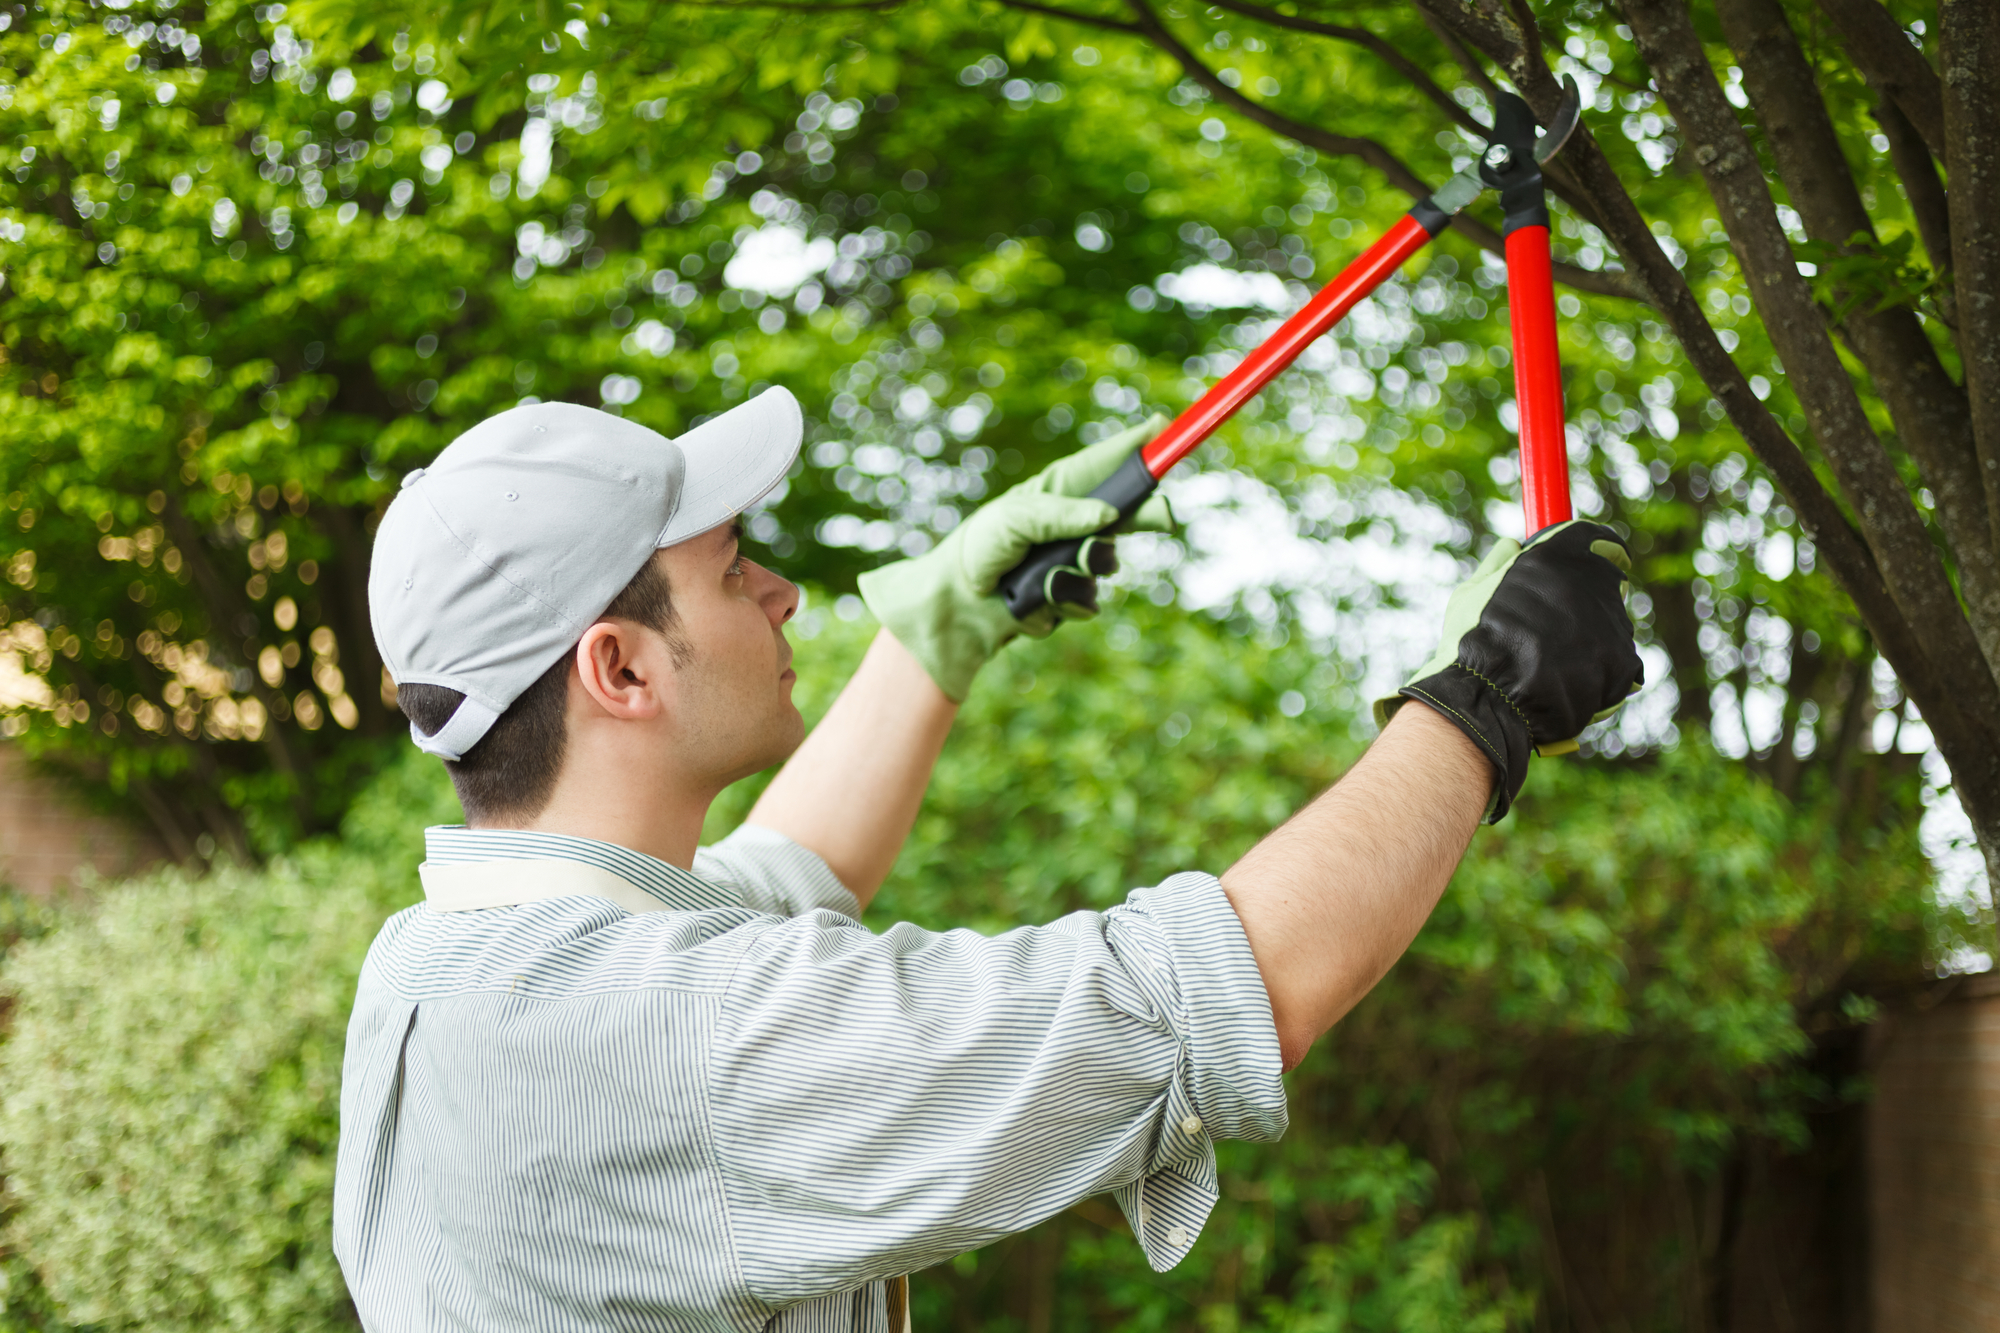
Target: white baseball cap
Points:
(494, 560)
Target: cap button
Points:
(410, 477)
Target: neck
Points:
(646, 807)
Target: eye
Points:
(736, 567)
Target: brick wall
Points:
(46, 836)
(1934, 1163)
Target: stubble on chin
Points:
(784, 732)
(794, 731)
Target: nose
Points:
(779, 596)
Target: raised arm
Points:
(1333, 898)
(852, 791)
(1535, 645)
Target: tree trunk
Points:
(346, 601)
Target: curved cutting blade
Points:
(1563, 124)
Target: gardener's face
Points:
(733, 691)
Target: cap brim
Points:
(733, 461)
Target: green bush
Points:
(173, 1079)
(1615, 990)
(172, 1085)
(25, 1306)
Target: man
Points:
(605, 1079)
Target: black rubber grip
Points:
(1525, 203)
(1430, 217)
(1025, 586)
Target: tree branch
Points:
(1094, 20)
(1969, 41)
(1377, 46)
(1557, 178)
(1463, 55)
(345, 597)
(1882, 51)
(1485, 25)
(1909, 565)
(1930, 412)
(1339, 145)
(1505, 42)
(796, 6)
(1917, 170)
(1399, 174)
(1531, 31)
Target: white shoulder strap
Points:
(466, 888)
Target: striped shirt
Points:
(585, 1089)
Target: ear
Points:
(624, 670)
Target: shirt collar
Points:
(452, 848)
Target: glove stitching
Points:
(1470, 726)
(1504, 695)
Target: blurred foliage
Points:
(261, 260)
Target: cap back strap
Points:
(462, 730)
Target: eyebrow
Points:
(734, 531)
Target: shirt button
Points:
(1191, 1124)
(1177, 1236)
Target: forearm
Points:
(852, 791)
(1331, 899)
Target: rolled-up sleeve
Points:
(882, 1102)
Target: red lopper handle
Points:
(1327, 308)
(1538, 395)
(1025, 586)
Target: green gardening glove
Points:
(942, 605)
(1536, 646)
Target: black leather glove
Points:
(1536, 647)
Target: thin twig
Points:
(795, 6)
(1368, 150)
(1093, 19)
(1368, 41)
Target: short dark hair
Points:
(511, 772)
